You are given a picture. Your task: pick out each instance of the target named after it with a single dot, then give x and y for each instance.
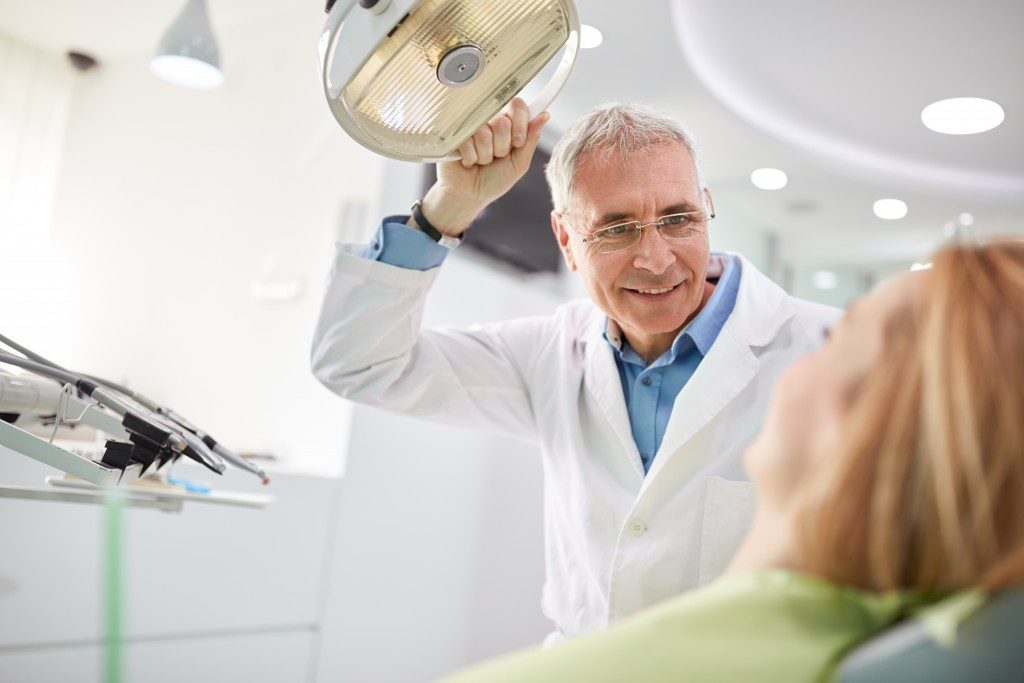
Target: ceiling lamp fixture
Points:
(769, 179)
(188, 54)
(413, 79)
(962, 115)
(890, 209)
(590, 37)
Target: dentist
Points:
(642, 398)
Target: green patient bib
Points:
(761, 626)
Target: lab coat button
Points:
(637, 527)
(646, 381)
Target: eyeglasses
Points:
(676, 226)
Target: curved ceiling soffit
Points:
(699, 49)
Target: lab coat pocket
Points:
(728, 512)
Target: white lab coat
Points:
(616, 541)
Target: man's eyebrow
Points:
(614, 217)
(681, 207)
(622, 216)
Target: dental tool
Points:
(150, 435)
(204, 443)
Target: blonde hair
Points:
(927, 490)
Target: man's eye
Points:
(615, 230)
(675, 219)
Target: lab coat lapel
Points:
(724, 372)
(601, 378)
(762, 307)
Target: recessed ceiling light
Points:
(589, 36)
(962, 115)
(965, 219)
(825, 279)
(769, 179)
(890, 209)
(921, 266)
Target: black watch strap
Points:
(432, 232)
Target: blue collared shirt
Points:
(650, 390)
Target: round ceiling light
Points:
(962, 115)
(825, 279)
(890, 209)
(769, 178)
(589, 37)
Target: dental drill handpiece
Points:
(180, 422)
(236, 460)
(185, 444)
(173, 419)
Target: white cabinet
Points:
(206, 587)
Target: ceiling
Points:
(829, 92)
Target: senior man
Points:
(642, 398)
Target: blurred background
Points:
(177, 240)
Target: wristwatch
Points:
(433, 233)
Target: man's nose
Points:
(653, 252)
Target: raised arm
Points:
(368, 345)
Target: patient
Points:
(890, 473)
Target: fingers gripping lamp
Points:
(413, 79)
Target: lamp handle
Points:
(547, 95)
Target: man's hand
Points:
(493, 160)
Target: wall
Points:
(850, 282)
(173, 206)
(732, 230)
(438, 550)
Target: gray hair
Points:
(617, 128)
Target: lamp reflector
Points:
(443, 70)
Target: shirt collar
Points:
(705, 326)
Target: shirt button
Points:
(646, 381)
(637, 527)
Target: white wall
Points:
(171, 204)
(732, 230)
(850, 283)
(438, 552)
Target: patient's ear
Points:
(564, 237)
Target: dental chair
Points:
(989, 648)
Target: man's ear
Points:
(563, 235)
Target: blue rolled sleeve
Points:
(397, 244)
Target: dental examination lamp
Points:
(144, 435)
(414, 79)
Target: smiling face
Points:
(654, 287)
